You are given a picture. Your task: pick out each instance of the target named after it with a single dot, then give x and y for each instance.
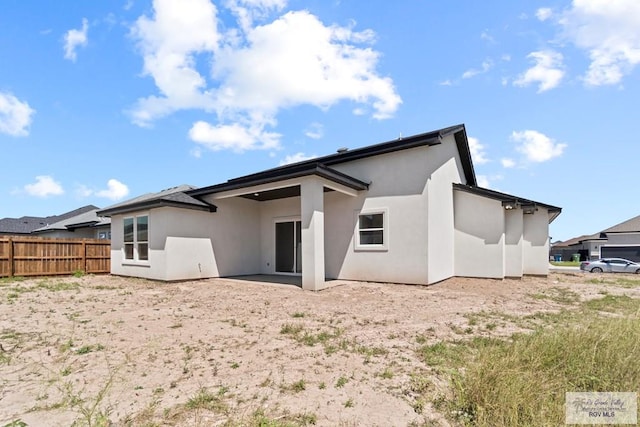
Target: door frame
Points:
(294, 220)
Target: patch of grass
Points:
(614, 303)
(298, 314)
(295, 387)
(441, 353)
(85, 349)
(623, 282)
(342, 381)
(260, 419)
(387, 374)
(66, 346)
(13, 279)
(290, 329)
(348, 403)
(558, 295)
(204, 399)
(57, 286)
(523, 382)
(78, 273)
(566, 263)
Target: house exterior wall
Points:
(404, 198)
(513, 250)
(235, 235)
(189, 244)
(623, 239)
(432, 232)
(479, 236)
(536, 243)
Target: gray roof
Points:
(629, 226)
(27, 224)
(174, 196)
(323, 164)
(85, 219)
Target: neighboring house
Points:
(405, 211)
(28, 224)
(85, 225)
(620, 241)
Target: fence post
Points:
(11, 266)
(84, 255)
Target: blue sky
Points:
(103, 101)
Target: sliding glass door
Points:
(289, 247)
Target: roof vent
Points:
(342, 150)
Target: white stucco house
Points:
(404, 211)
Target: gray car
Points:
(611, 265)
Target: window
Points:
(104, 235)
(136, 238)
(372, 230)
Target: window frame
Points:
(135, 241)
(371, 247)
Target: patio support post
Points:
(312, 209)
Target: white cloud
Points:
(15, 115)
(486, 66)
(169, 42)
(608, 31)
(446, 83)
(478, 154)
(508, 163)
(537, 147)
(482, 181)
(314, 131)
(256, 70)
(548, 71)
(115, 190)
(74, 38)
(486, 36)
(43, 187)
(297, 157)
(233, 137)
(544, 13)
(247, 11)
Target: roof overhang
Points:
(282, 185)
(510, 202)
(153, 204)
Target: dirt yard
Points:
(101, 350)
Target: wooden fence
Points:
(37, 256)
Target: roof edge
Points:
(504, 197)
(153, 204)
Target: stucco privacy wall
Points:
(536, 243)
(479, 236)
(513, 251)
(440, 213)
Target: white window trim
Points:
(385, 231)
(135, 260)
